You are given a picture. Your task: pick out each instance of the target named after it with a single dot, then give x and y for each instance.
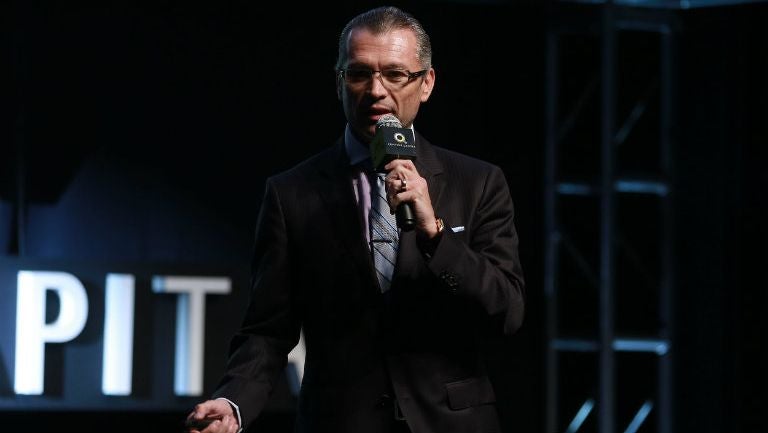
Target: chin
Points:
(364, 134)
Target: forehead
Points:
(395, 47)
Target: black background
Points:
(146, 129)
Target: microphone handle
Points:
(405, 218)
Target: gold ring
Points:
(403, 184)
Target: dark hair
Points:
(384, 19)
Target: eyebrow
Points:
(360, 65)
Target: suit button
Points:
(450, 279)
(384, 400)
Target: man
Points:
(385, 352)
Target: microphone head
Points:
(388, 120)
(391, 141)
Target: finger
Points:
(417, 193)
(417, 186)
(392, 185)
(396, 186)
(406, 171)
(215, 427)
(197, 424)
(399, 179)
(231, 424)
(226, 425)
(202, 410)
(396, 164)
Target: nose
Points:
(378, 89)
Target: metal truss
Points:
(596, 258)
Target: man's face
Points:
(366, 99)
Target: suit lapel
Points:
(335, 188)
(430, 168)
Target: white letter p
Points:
(31, 330)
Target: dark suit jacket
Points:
(419, 342)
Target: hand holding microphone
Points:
(392, 141)
(393, 150)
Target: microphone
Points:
(392, 141)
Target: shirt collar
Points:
(356, 150)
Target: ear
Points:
(339, 83)
(427, 84)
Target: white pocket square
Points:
(457, 229)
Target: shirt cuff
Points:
(236, 409)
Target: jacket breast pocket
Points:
(470, 392)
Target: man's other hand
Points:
(212, 416)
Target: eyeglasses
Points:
(390, 78)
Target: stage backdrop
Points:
(105, 336)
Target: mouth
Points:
(375, 113)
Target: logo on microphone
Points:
(399, 137)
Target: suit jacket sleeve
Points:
(486, 267)
(270, 329)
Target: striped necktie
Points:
(384, 233)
